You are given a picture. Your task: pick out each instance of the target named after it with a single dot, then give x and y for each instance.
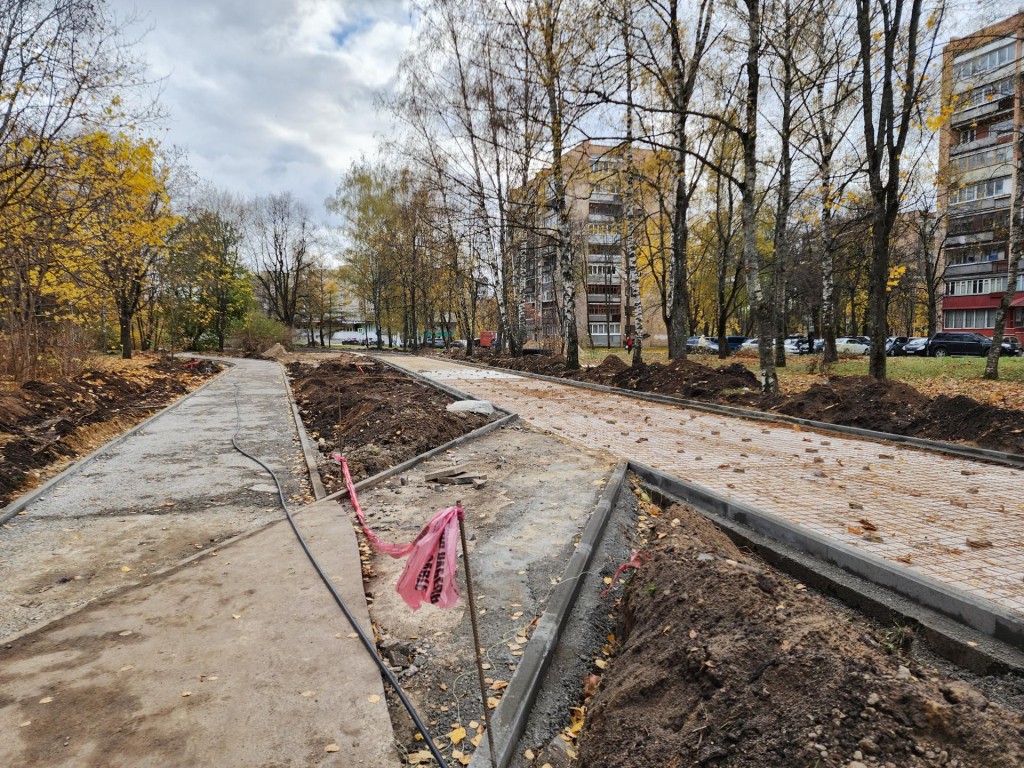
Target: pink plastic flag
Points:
(429, 574)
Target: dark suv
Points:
(944, 344)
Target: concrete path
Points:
(954, 520)
(239, 657)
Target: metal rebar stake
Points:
(476, 636)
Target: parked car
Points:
(750, 345)
(797, 345)
(701, 345)
(735, 342)
(917, 346)
(1011, 347)
(964, 343)
(894, 345)
(852, 345)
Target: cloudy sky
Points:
(272, 95)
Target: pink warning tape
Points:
(638, 558)
(429, 574)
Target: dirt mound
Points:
(687, 379)
(961, 418)
(605, 373)
(373, 415)
(547, 365)
(858, 401)
(275, 352)
(726, 663)
(45, 422)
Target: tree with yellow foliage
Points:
(129, 220)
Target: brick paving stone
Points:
(924, 505)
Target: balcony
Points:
(603, 298)
(977, 268)
(605, 197)
(970, 238)
(603, 258)
(602, 239)
(971, 146)
(979, 206)
(603, 280)
(974, 113)
(611, 317)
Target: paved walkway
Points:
(239, 657)
(926, 507)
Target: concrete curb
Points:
(977, 613)
(937, 446)
(16, 506)
(509, 719)
(308, 452)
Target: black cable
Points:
(367, 642)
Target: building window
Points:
(968, 319)
(967, 135)
(603, 269)
(1018, 317)
(984, 159)
(977, 287)
(985, 62)
(600, 329)
(990, 253)
(982, 190)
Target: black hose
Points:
(366, 641)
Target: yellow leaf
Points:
(498, 685)
(492, 702)
(528, 754)
(457, 735)
(601, 663)
(46, 700)
(332, 748)
(373, 698)
(125, 569)
(186, 694)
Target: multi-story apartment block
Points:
(980, 85)
(594, 179)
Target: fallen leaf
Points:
(601, 663)
(373, 698)
(46, 700)
(332, 748)
(528, 754)
(186, 694)
(24, 724)
(492, 702)
(868, 525)
(125, 569)
(457, 735)
(308, 694)
(126, 667)
(498, 685)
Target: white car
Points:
(847, 345)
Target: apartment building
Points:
(980, 79)
(594, 179)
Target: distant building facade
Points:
(977, 153)
(594, 179)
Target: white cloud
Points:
(273, 95)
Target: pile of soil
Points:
(858, 401)
(373, 415)
(725, 662)
(44, 423)
(547, 365)
(685, 378)
(892, 406)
